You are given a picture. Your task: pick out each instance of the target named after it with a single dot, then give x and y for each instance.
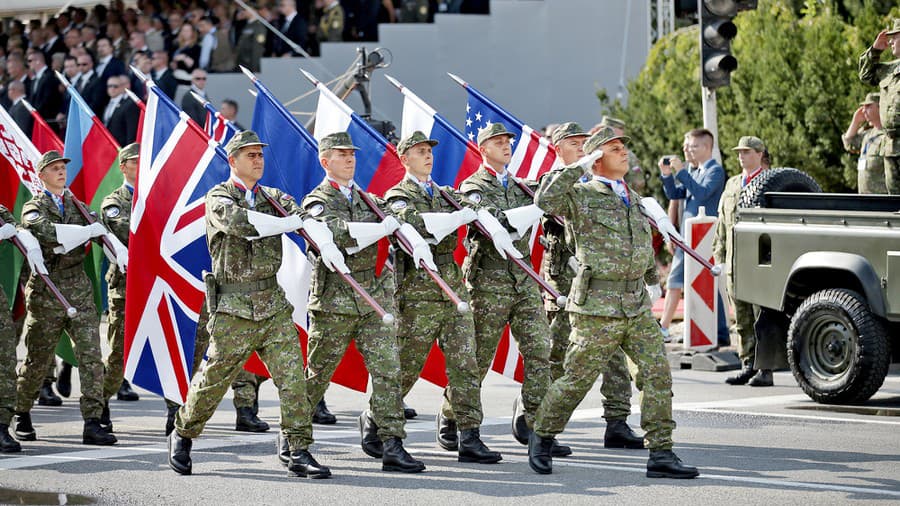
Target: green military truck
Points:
(824, 270)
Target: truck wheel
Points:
(838, 350)
(776, 180)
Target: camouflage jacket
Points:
(867, 144)
(555, 262)
(328, 292)
(484, 268)
(612, 244)
(723, 243)
(331, 24)
(7, 216)
(39, 215)
(238, 261)
(406, 201)
(887, 77)
(115, 213)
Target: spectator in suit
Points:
(54, 43)
(72, 38)
(293, 26)
(170, 35)
(107, 64)
(162, 74)
(187, 55)
(138, 43)
(70, 70)
(89, 85)
(89, 37)
(45, 96)
(116, 34)
(189, 104)
(17, 71)
(152, 30)
(15, 93)
(121, 114)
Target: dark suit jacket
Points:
(59, 46)
(45, 95)
(167, 83)
(296, 31)
(94, 93)
(115, 67)
(193, 108)
(22, 118)
(124, 122)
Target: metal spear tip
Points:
(387, 319)
(462, 307)
(71, 312)
(561, 301)
(247, 72)
(716, 270)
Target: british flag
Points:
(178, 166)
(217, 127)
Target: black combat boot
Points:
(105, 421)
(94, 434)
(520, 428)
(304, 465)
(48, 397)
(408, 412)
(396, 458)
(665, 464)
(368, 436)
(171, 411)
(282, 449)
(619, 435)
(180, 453)
(23, 429)
(539, 456)
(742, 377)
(322, 416)
(446, 433)
(246, 421)
(7, 443)
(559, 450)
(125, 392)
(763, 378)
(64, 380)
(473, 449)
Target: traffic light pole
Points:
(710, 118)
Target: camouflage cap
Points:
(129, 152)
(50, 157)
(417, 137)
(494, 130)
(600, 138)
(750, 142)
(337, 140)
(612, 122)
(242, 140)
(896, 28)
(567, 130)
(871, 98)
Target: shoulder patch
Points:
(32, 216)
(226, 201)
(398, 205)
(112, 211)
(474, 197)
(288, 197)
(316, 210)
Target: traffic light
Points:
(716, 31)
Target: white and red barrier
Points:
(700, 287)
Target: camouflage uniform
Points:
(116, 216)
(502, 293)
(246, 389)
(201, 343)
(331, 24)
(251, 45)
(426, 312)
(608, 304)
(46, 319)
(338, 315)
(887, 77)
(871, 173)
(413, 11)
(8, 340)
(250, 314)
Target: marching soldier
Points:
(426, 313)
(61, 230)
(201, 343)
(608, 305)
(248, 310)
(568, 139)
(636, 177)
(500, 292)
(337, 314)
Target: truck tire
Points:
(776, 180)
(838, 350)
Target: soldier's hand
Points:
(32, 251)
(96, 229)
(587, 161)
(881, 41)
(6, 231)
(466, 215)
(391, 225)
(499, 235)
(332, 258)
(859, 116)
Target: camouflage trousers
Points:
(524, 311)
(329, 336)
(246, 389)
(7, 362)
(232, 339)
(44, 323)
(591, 345)
(892, 174)
(201, 343)
(115, 338)
(744, 318)
(616, 385)
(420, 323)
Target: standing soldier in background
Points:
(251, 41)
(609, 306)
(887, 77)
(568, 140)
(331, 24)
(62, 231)
(867, 143)
(426, 312)
(750, 154)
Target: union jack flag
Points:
(217, 127)
(179, 164)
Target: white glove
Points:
(586, 162)
(502, 241)
(120, 250)
(367, 234)
(391, 225)
(323, 238)
(32, 251)
(420, 251)
(7, 230)
(267, 225)
(97, 229)
(440, 225)
(523, 218)
(652, 209)
(655, 292)
(70, 237)
(466, 215)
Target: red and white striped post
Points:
(700, 287)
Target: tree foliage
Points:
(796, 87)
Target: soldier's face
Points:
(614, 164)
(871, 112)
(894, 42)
(248, 164)
(750, 159)
(129, 170)
(419, 161)
(339, 164)
(571, 149)
(497, 151)
(54, 177)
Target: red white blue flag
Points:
(217, 127)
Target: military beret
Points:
(417, 137)
(871, 98)
(750, 142)
(612, 122)
(896, 28)
(567, 130)
(601, 137)
(50, 157)
(494, 130)
(242, 140)
(129, 152)
(337, 140)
